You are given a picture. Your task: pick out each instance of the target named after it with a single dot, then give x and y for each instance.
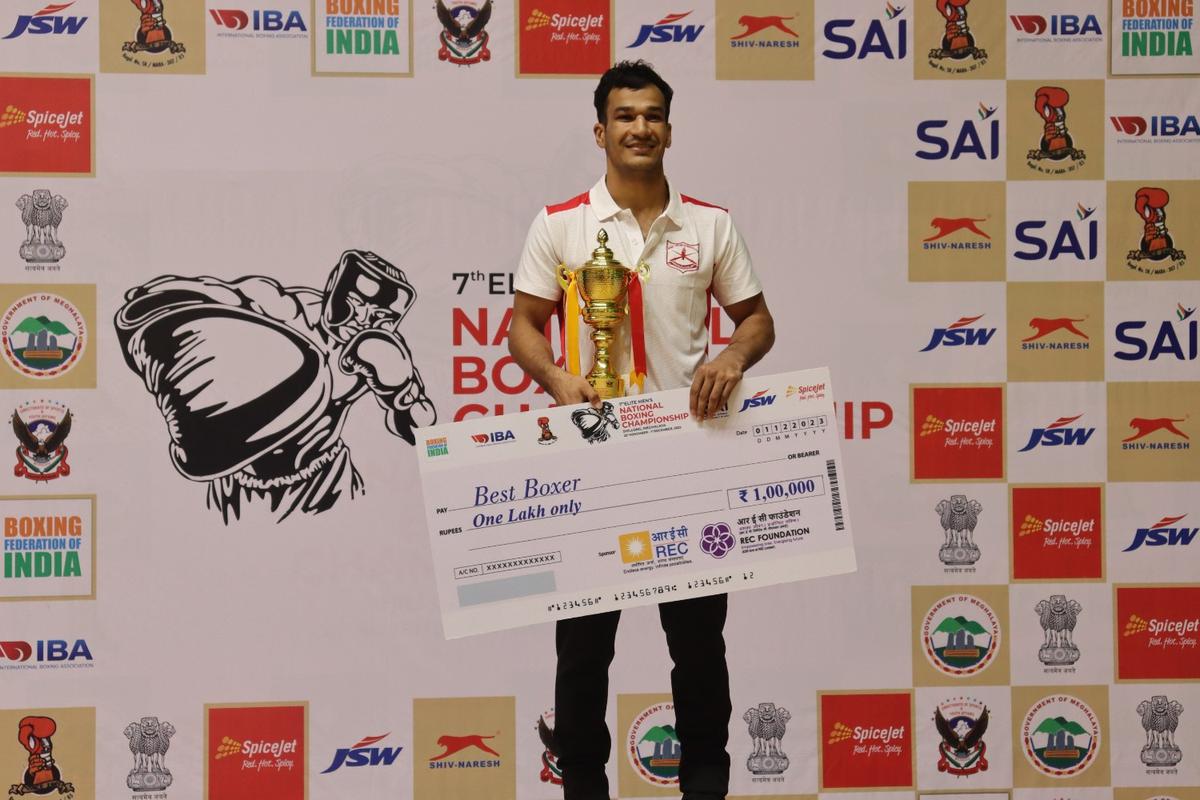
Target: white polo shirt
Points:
(692, 249)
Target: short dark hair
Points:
(630, 75)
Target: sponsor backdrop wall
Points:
(216, 575)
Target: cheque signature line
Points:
(592, 530)
(637, 480)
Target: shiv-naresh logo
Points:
(946, 226)
(752, 25)
(1166, 433)
(1157, 634)
(866, 740)
(453, 745)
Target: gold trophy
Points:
(603, 283)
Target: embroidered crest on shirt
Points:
(683, 256)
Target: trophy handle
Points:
(564, 276)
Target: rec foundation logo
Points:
(49, 547)
(1055, 331)
(45, 336)
(1156, 37)
(256, 751)
(49, 753)
(1151, 428)
(1158, 628)
(1057, 533)
(1060, 737)
(958, 433)
(1056, 131)
(956, 231)
(866, 740)
(464, 747)
(564, 37)
(46, 125)
(959, 39)
(1150, 233)
(764, 40)
(362, 38)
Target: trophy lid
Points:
(602, 256)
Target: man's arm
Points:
(529, 348)
(753, 335)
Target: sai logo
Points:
(48, 21)
(1176, 338)
(1060, 736)
(759, 399)
(1164, 533)
(974, 138)
(667, 29)
(847, 39)
(1068, 241)
(1058, 434)
(960, 635)
(960, 334)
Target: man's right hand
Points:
(568, 389)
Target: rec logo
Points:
(958, 433)
(1158, 628)
(1057, 532)
(564, 37)
(866, 740)
(256, 750)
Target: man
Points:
(691, 248)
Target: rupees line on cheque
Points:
(635, 481)
(591, 530)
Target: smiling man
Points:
(690, 251)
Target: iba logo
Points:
(860, 39)
(1158, 628)
(1057, 533)
(1058, 434)
(564, 37)
(54, 755)
(46, 125)
(958, 433)
(352, 37)
(1060, 737)
(50, 21)
(1165, 533)
(764, 39)
(1077, 237)
(1057, 28)
(960, 334)
(257, 750)
(866, 740)
(492, 438)
(259, 23)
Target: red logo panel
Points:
(958, 433)
(564, 37)
(866, 741)
(45, 125)
(1057, 533)
(1158, 628)
(256, 752)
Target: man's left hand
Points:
(713, 384)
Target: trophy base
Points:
(1058, 656)
(146, 781)
(607, 386)
(1161, 756)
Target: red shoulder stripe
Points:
(696, 202)
(574, 202)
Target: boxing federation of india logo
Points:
(957, 52)
(961, 722)
(1056, 153)
(42, 773)
(593, 423)
(1060, 736)
(153, 45)
(1058, 617)
(44, 335)
(960, 635)
(958, 516)
(652, 745)
(149, 741)
(41, 213)
(463, 38)
(1160, 719)
(1156, 253)
(766, 725)
(41, 428)
(282, 440)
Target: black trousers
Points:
(699, 685)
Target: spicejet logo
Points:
(1159, 634)
(866, 741)
(1057, 533)
(958, 433)
(954, 427)
(564, 37)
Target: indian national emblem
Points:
(464, 40)
(962, 750)
(42, 775)
(149, 741)
(959, 517)
(42, 213)
(1058, 616)
(1160, 718)
(766, 725)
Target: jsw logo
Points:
(757, 400)
(1057, 434)
(1183, 346)
(666, 31)
(1163, 534)
(1067, 241)
(1157, 125)
(959, 335)
(1059, 24)
(47, 21)
(363, 755)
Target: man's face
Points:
(636, 133)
